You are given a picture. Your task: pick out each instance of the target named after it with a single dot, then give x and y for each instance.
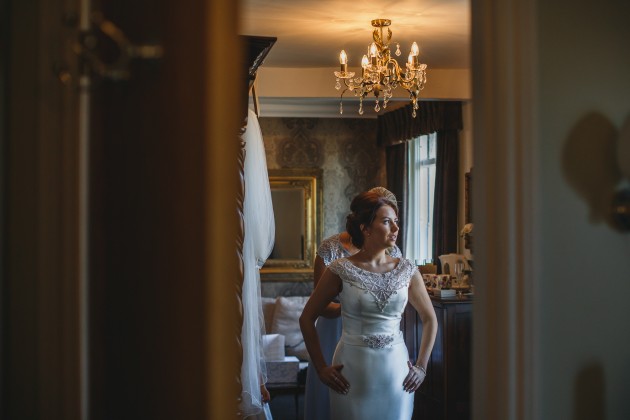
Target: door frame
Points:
(506, 358)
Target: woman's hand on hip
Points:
(332, 377)
(414, 378)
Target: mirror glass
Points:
(297, 207)
(289, 213)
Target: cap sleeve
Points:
(330, 249)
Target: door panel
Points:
(163, 229)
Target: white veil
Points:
(257, 245)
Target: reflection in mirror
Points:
(297, 207)
(288, 205)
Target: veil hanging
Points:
(257, 245)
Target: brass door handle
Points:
(88, 48)
(621, 199)
(621, 210)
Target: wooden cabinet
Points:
(445, 393)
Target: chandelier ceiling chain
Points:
(380, 72)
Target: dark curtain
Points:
(446, 194)
(399, 126)
(396, 158)
(395, 129)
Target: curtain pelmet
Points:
(399, 126)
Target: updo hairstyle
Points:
(363, 211)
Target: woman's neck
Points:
(372, 256)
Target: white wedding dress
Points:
(257, 245)
(372, 349)
(316, 399)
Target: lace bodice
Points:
(331, 249)
(381, 286)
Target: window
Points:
(421, 182)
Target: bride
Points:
(371, 375)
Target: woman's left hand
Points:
(414, 378)
(264, 394)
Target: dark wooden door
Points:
(164, 181)
(445, 393)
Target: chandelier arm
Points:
(409, 79)
(396, 68)
(367, 88)
(348, 85)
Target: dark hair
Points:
(364, 207)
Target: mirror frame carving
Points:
(310, 180)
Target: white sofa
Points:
(283, 345)
(282, 317)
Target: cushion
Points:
(286, 322)
(273, 347)
(268, 307)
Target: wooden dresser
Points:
(445, 393)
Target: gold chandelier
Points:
(380, 73)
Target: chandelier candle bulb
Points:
(373, 54)
(343, 59)
(364, 64)
(414, 49)
(373, 50)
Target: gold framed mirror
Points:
(297, 207)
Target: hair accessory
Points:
(385, 193)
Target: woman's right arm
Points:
(318, 269)
(333, 309)
(328, 287)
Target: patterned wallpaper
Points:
(344, 148)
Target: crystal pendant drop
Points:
(338, 85)
(413, 114)
(341, 108)
(377, 107)
(398, 50)
(361, 109)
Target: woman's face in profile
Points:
(383, 230)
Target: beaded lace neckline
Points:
(382, 286)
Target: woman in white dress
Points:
(370, 374)
(316, 400)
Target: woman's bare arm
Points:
(318, 269)
(419, 299)
(327, 288)
(333, 309)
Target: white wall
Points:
(311, 93)
(584, 97)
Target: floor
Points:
(283, 407)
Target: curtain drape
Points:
(395, 129)
(446, 194)
(396, 157)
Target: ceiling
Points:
(311, 33)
